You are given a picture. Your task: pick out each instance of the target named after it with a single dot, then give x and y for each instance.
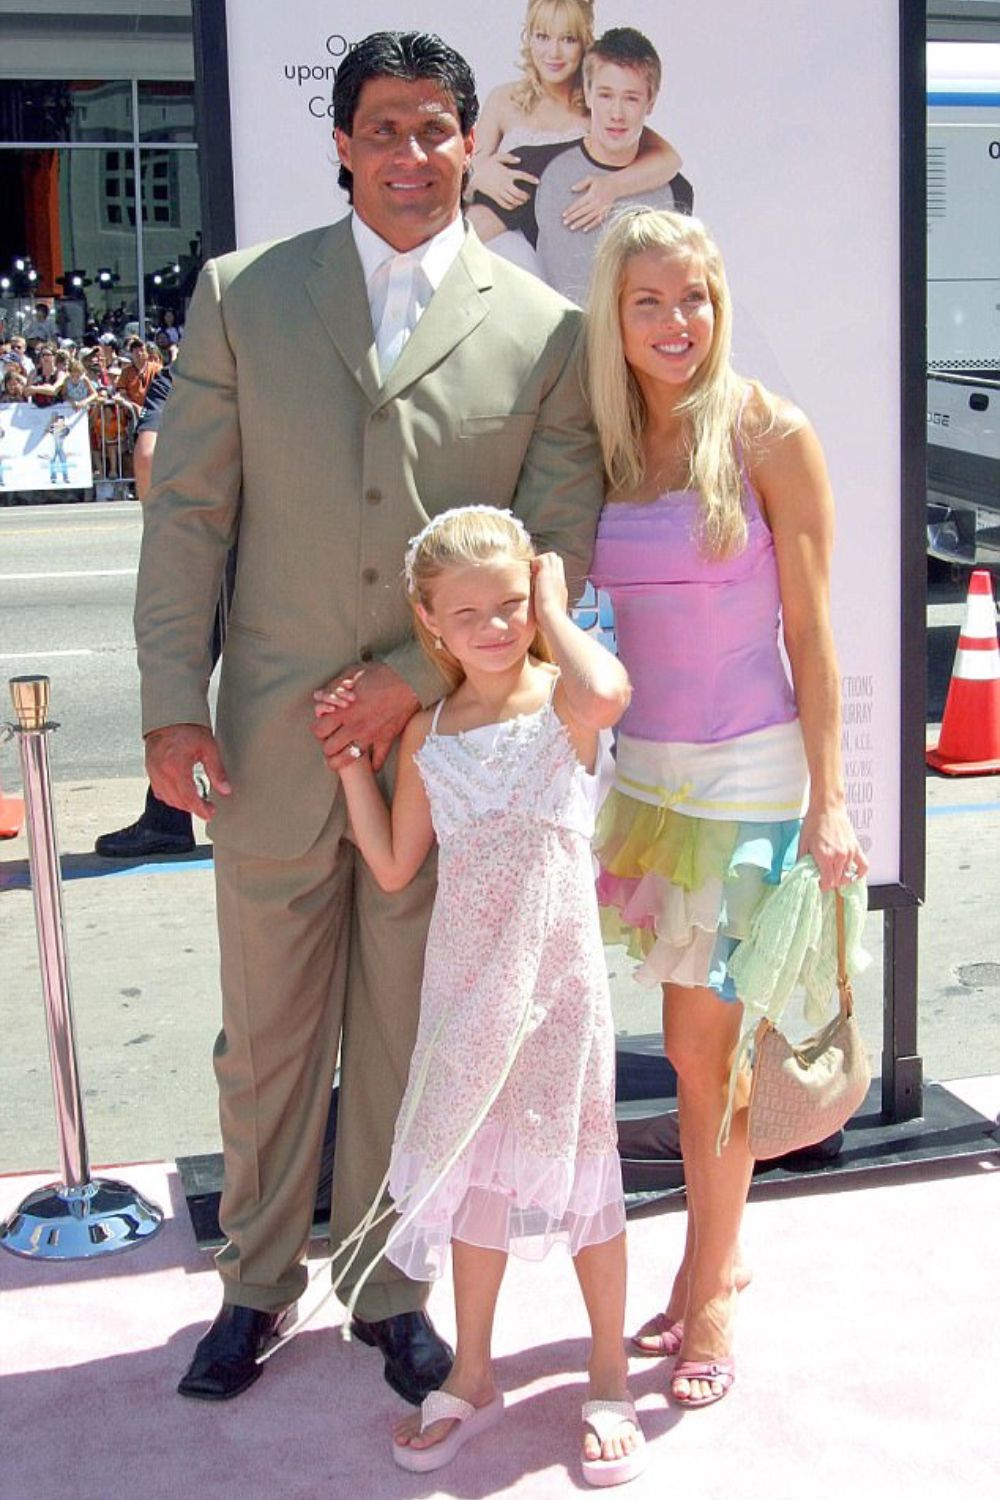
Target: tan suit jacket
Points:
(279, 430)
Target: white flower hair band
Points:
(416, 542)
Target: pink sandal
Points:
(722, 1370)
(666, 1332)
(469, 1421)
(603, 1417)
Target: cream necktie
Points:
(396, 323)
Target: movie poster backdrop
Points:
(786, 118)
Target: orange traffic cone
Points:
(11, 815)
(970, 733)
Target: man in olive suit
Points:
(429, 374)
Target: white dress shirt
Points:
(400, 284)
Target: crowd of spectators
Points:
(106, 374)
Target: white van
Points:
(963, 301)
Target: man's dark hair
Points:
(410, 56)
(629, 49)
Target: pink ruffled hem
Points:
(683, 933)
(500, 1197)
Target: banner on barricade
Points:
(43, 447)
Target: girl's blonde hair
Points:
(580, 21)
(460, 538)
(715, 399)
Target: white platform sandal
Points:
(469, 1421)
(603, 1417)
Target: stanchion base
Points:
(62, 1223)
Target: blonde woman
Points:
(545, 106)
(715, 540)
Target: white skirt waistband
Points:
(760, 777)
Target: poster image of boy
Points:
(621, 80)
(58, 431)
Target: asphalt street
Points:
(67, 582)
(141, 939)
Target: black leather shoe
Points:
(225, 1361)
(139, 840)
(417, 1359)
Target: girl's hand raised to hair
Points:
(549, 595)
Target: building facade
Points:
(101, 220)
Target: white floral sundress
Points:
(506, 1136)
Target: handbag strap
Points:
(844, 989)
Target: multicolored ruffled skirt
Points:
(679, 890)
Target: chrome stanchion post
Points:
(31, 701)
(79, 1217)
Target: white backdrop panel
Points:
(787, 120)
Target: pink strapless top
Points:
(699, 637)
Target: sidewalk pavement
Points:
(865, 1343)
(864, 1350)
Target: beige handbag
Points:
(801, 1094)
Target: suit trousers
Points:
(314, 957)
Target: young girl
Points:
(506, 1135)
(78, 388)
(717, 532)
(546, 106)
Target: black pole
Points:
(902, 1068)
(213, 127)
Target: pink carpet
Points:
(866, 1367)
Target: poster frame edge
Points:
(215, 145)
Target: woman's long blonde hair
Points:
(580, 21)
(715, 399)
(458, 538)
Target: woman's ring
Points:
(354, 750)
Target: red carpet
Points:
(865, 1366)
